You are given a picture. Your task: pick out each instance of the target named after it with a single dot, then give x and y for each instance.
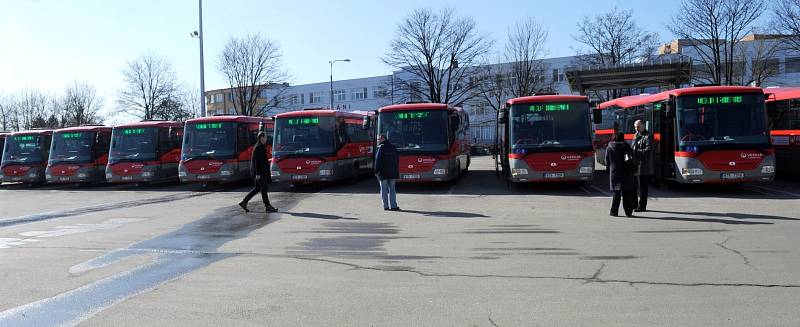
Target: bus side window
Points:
(103, 143)
(176, 137)
(242, 139)
(164, 143)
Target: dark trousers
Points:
(642, 185)
(628, 198)
(258, 186)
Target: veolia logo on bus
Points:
(751, 155)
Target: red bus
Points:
(2, 142)
(144, 152)
(79, 154)
(710, 134)
(547, 138)
(432, 138)
(604, 131)
(320, 145)
(783, 110)
(218, 148)
(25, 156)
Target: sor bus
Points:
(144, 152)
(711, 134)
(2, 143)
(783, 109)
(321, 145)
(432, 138)
(25, 156)
(219, 148)
(546, 138)
(79, 154)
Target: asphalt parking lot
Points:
(476, 252)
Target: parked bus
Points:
(320, 146)
(79, 154)
(546, 138)
(25, 156)
(711, 134)
(218, 148)
(432, 138)
(604, 131)
(783, 110)
(2, 142)
(144, 152)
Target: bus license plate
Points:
(63, 179)
(127, 178)
(553, 175)
(410, 176)
(300, 177)
(203, 176)
(732, 176)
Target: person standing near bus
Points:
(387, 169)
(619, 160)
(260, 169)
(643, 152)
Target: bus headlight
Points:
(274, 173)
(226, 172)
(48, 176)
(326, 172)
(586, 170)
(691, 171)
(181, 174)
(519, 171)
(440, 171)
(768, 169)
(147, 174)
(109, 176)
(82, 175)
(33, 175)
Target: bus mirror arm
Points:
(670, 107)
(365, 123)
(597, 116)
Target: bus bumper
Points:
(32, 175)
(327, 172)
(692, 171)
(226, 173)
(442, 171)
(147, 174)
(82, 175)
(521, 172)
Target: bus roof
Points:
(417, 106)
(92, 128)
(782, 93)
(319, 112)
(546, 98)
(32, 132)
(236, 119)
(151, 123)
(638, 100)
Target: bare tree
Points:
(715, 29)
(440, 51)
(524, 52)
(81, 105)
(614, 38)
(33, 109)
(252, 64)
(786, 21)
(8, 113)
(148, 81)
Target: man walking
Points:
(643, 152)
(387, 169)
(259, 167)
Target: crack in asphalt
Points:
(492, 321)
(737, 252)
(596, 274)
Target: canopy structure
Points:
(669, 71)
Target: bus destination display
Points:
(71, 135)
(550, 107)
(412, 115)
(134, 131)
(208, 126)
(719, 100)
(26, 138)
(303, 121)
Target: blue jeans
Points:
(388, 193)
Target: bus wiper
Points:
(197, 158)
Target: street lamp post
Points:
(199, 35)
(332, 62)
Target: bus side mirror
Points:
(597, 116)
(365, 123)
(502, 116)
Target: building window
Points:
(770, 66)
(231, 97)
(315, 97)
(263, 94)
(217, 98)
(793, 64)
(555, 75)
(359, 93)
(340, 95)
(302, 98)
(380, 92)
(293, 99)
(231, 111)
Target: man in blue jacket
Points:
(387, 169)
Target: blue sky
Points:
(46, 44)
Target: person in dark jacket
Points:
(259, 167)
(387, 169)
(643, 152)
(621, 175)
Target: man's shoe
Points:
(271, 209)
(244, 206)
(613, 214)
(629, 215)
(395, 209)
(640, 209)
(385, 209)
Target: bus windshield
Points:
(550, 125)
(23, 149)
(304, 136)
(209, 140)
(133, 144)
(72, 147)
(722, 119)
(415, 131)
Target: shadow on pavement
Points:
(317, 216)
(734, 215)
(447, 214)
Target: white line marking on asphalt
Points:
(758, 191)
(776, 190)
(585, 190)
(38, 235)
(606, 193)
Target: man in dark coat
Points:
(621, 175)
(259, 167)
(387, 169)
(643, 152)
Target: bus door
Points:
(666, 162)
